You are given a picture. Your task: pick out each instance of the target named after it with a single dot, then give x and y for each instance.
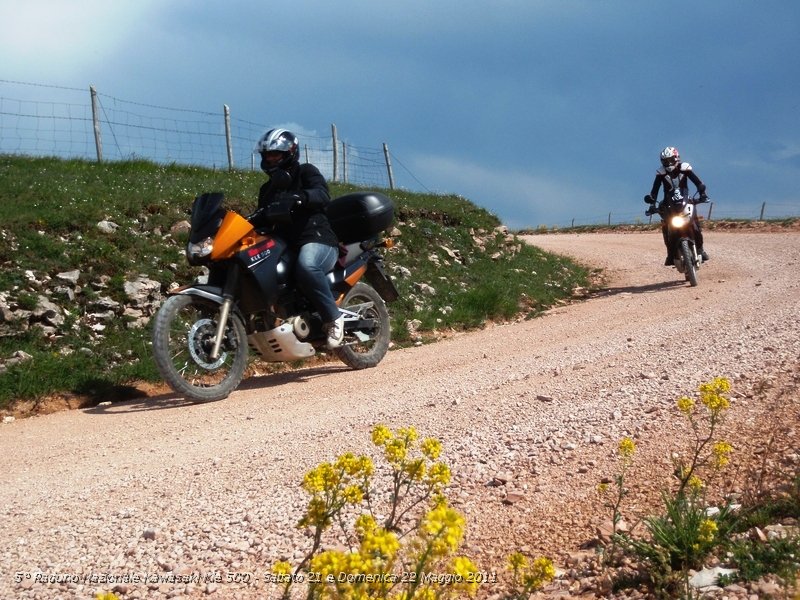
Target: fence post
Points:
(763, 206)
(305, 148)
(98, 141)
(710, 208)
(609, 219)
(388, 165)
(227, 112)
(335, 152)
(344, 162)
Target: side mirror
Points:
(649, 199)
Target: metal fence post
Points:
(335, 152)
(344, 162)
(98, 141)
(763, 206)
(388, 165)
(227, 112)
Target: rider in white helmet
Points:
(674, 177)
(309, 233)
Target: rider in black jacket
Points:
(309, 232)
(674, 177)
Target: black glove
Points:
(292, 199)
(256, 217)
(651, 211)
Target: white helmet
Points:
(278, 148)
(670, 158)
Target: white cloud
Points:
(44, 39)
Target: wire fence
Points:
(719, 211)
(87, 124)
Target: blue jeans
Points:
(314, 262)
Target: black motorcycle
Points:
(202, 332)
(678, 219)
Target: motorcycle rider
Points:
(674, 177)
(309, 232)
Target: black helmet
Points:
(279, 149)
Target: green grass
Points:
(49, 210)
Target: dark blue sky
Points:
(540, 111)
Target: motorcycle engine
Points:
(300, 326)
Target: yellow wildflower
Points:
(381, 543)
(381, 434)
(721, 451)
(281, 568)
(685, 405)
(445, 526)
(711, 394)
(626, 447)
(408, 433)
(365, 524)
(431, 448)
(396, 451)
(695, 484)
(415, 469)
(464, 570)
(706, 530)
(517, 562)
(439, 474)
(353, 494)
(329, 562)
(602, 488)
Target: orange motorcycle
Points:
(203, 331)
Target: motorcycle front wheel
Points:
(366, 345)
(183, 337)
(688, 261)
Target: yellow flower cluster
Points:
(627, 447)
(695, 484)
(281, 568)
(721, 451)
(707, 530)
(106, 596)
(685, 405)
(443, 528)
(531, 575)
(712, 394)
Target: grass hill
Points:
(78, 239)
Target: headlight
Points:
(678, 221)
(200, 249)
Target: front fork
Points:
(224, 312)
(231, 285)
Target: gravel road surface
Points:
(160, 487)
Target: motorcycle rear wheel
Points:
(688, 261)
(183, 334)
(355, 352)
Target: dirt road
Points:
(161, 487)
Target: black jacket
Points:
(309, 221)
(676, 184)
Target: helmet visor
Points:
(272, 157)
(670, 163)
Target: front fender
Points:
(208, 292)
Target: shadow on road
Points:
(172, 400)
(639, 289)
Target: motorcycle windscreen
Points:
(207, 215)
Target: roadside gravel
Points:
(166, 488)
